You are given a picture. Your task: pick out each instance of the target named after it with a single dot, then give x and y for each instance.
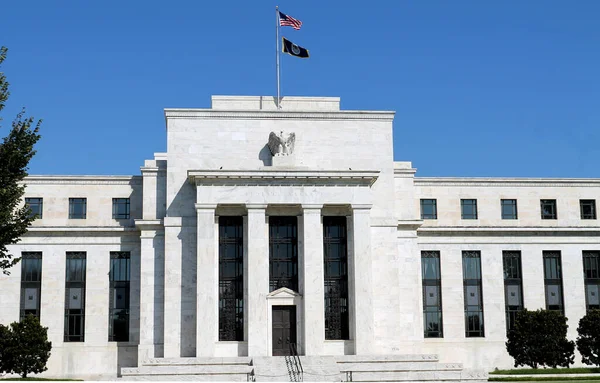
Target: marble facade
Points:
(218, 163)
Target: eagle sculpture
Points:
(281, 145)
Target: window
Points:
(509, 208)
(120, 208)
(473, 294)
(75, 297)
(468, 208)
(283, 253)
(591, 276)
(335, 258)
(588, 208)
(548, 208)
(231, 279)
(428, 209)
(513, 286)
(31, 283)
(77, 208)
(36, 206)
(118, 315)
(553, 281)
(432, 294)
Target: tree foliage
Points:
(588, 341)
(16, 150)
(539, 338)
(24, 347)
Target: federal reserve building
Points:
(270, 241)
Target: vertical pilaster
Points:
(207, 281)
(313, 277)
(257, 280)
(361, 270)
(148, 296)
(173, 287)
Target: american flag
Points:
(289, 21)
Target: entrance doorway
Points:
(284, 329)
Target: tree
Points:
(588, 341)
(24, 347)
(540, 338)
(16, 151)
(4, 342)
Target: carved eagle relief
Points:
(282, 144)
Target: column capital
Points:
(361, 206)
(205, 206)
(312, 206)
(256, 206)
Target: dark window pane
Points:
(473, 296)
(509, 208)
(428, 209)
(548, 208)
(591, 273)
(75, 297)
(468, 208)
(36, 207)
(231, 279)
(120, 208)
(553, 280)
(588, 208)
(77, 208)
(336, 278)
(432, 294)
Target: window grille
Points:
(335, 254)
(432, 294)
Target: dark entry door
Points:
(284, 329)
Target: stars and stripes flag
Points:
(289, 21)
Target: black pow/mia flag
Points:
(294, 50)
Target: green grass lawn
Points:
(553, 379)
(535, 371)
(40, 379)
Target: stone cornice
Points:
(82, 180)
(278, 115)
(508, 182)
(411, 224)
(503, 231)
(283, 177)
(79, 229)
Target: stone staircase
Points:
(347, 368)
(197, 369)
(404, 368)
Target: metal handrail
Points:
(297, 361)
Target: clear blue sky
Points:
(505, 88)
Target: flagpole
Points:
(277, 54)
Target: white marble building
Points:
(226, 246)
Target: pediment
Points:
(283, 292)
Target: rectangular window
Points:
(31, 283)
(118, 315)
(548, 208)
(120, 208)
(77, 208)
(432, 294)
(75, 296)
(588, 208)
(473, 294)
(335, 258)
(231, 279)
(591, 276)
(468, 208)
(36, 205)
(283, 253)
(553, 281)
(513, 286)
(428, 209)
(509, 208)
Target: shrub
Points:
(588, 341)
(25, 347)
(539, 338)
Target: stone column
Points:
(361, 285)
(206, 281)
(313, 272)
(257, 280)
(172, 287)
(148, 296)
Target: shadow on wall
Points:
(126, 357)
(265, 156)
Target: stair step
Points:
(198, 361)
(386, 358)
(187, 370)
(400, 366)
